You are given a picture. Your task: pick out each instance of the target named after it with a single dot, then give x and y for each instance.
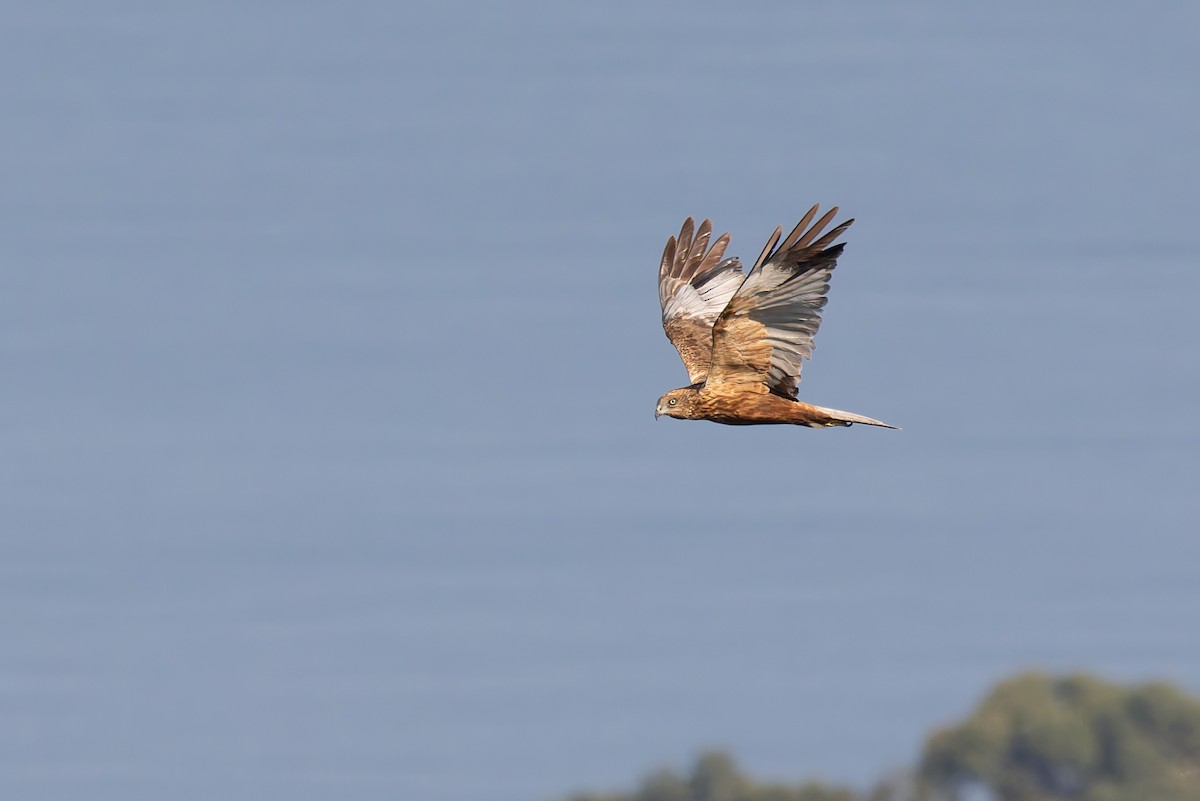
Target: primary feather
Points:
(694, 286)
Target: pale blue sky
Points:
(332, 349)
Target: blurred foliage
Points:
(1037, 738)
(716, 777)
(1034, 738)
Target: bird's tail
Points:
(840, 418)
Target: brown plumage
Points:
(743, 338)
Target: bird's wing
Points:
(694, 285)
(767, 330)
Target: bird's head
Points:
(676, 403)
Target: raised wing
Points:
(694, 285)
(767, 329)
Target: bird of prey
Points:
(743, 337)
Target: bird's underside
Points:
(743, 337)
(750, 408)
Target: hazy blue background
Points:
(330, 347)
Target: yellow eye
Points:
(673, 401)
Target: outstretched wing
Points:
(694, 285)
(767, 330)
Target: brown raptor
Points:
(743, 337)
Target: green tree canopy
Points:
(716, 777)
(1034, 738)
(1038, 738)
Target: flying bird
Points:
(743, 337)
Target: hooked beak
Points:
(657, 413)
